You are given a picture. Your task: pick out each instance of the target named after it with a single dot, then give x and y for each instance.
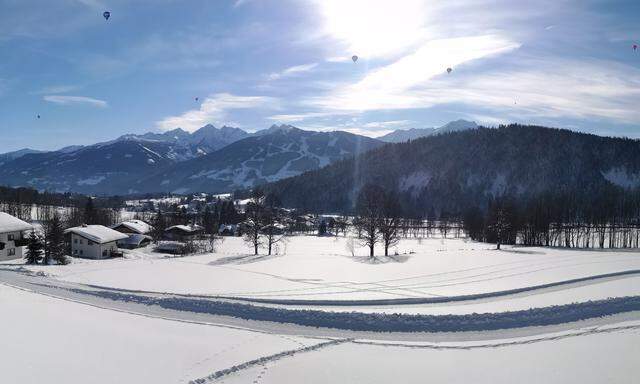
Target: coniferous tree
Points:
(34, 249)
(90, 212)
(55, 248)
(159, 224)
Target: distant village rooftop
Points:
(137, 226)
(9, 223)
(97, 233)
(185, 228)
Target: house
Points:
(135, 240)
(11, 238)
(133, 227)
(94, 241)
(227, 229)
(182, 232)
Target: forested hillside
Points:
(450, 174)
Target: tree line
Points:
(607, 220)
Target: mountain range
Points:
(209, 159)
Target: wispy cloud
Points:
(291, 71)
(396, 124)
(291, 118)
(393, 86)
(214, 109)
(75, 100)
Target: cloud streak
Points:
(75, 100)
(292, 71)
(394, 86)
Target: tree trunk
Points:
(371, 250)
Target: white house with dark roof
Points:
(94, 241)
(11, 230)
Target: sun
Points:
(374, 28)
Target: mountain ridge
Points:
(447, 173)
(402, 135)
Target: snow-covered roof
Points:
(185, 228)
(134, 239)
(97, 233)
(9, 223)
(138, 226)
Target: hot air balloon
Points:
(38, 116)
(635, 47)
(197, 98)
(449, 70)
(354, 58)
(106, 15)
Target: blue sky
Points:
(253, 63)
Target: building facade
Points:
(11, 237)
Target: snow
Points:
(588, 357)
(185, 228)
(571, 309)
(58, 341)
(621, 177)
(309, 268)
(9, 223)
(138, 226)
(97, 233)
(151, 151)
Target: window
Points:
(10, 237)
(11, 252)
(75, 241)
(81, 252)
(75, 251)
(81, 242)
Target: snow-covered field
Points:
(106, 335)
(593, 358)
(321, 268)
(55, 341)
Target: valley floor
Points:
(233, 317)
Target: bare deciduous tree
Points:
(369, 208)
(389, 222)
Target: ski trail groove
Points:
(265, 359)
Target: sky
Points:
(157, 65)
